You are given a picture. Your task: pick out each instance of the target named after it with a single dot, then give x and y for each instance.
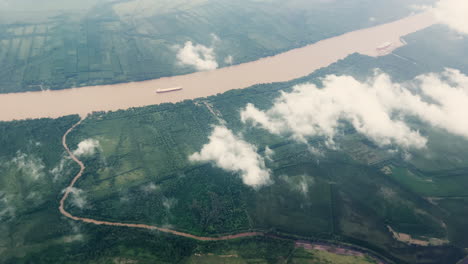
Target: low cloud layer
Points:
(199, 56)
(229, 60)
(29, 165)
(453, 13)
(77, 196)
(231, 153)
(269, 153)
(73, 238)
(59, 170)
(7, 211)
(87, 147)
(150, 188)
(376, 108)
(301, 183)
(169, 203)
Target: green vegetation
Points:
(53, 45)
(303, 256)
(141, 174)
(292, 255)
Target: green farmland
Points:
(141, 174)
(397, 207)
(52, 45)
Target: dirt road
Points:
(143, 226)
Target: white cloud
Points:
(453, 13)
(375, 108)
(199, 56)
(169, 203)
(449, 93)
(269, 153)
(229, 60)
(76, 233)
(78, 198)
(58, 170)
(87, 147)
(7, 210)
(73, 238)
(215, 39)
(29, 165)
(7, 213)
(231, 153)
(34, 198)
(300, 183)
(151, 187)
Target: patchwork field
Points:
(138, 171)
(98, 42)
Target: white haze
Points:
(150, 188)
(269, 153)
(29, 165)
(77, 196)
(231, 153)
(301, 183)
(229, 60)
(58, 170)
(7, 210)
(376, 108)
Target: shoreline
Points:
(283, 67)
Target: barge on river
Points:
(167, 90)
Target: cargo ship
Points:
(385, 47)
(167, 90)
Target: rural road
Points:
(150, 227)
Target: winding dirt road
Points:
(150, 227)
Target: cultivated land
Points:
(280, 68)
(56, 44)
(141, 176)
(359, 200)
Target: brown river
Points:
(280, 68)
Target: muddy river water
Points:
(375, 41)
